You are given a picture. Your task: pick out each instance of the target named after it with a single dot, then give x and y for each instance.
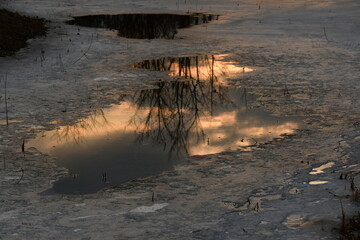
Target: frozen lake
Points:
(242, 127)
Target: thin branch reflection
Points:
(199, 113)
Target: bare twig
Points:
(6, 105)
(23, 146)
(104, 178)
(61, 63)
(326, 35)
(87, 50)
(343, 229)
(22, 175)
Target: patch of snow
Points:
(80, 205)
(294, 191)
(83, 217)
(149, 209)
(104, 79)
(320, 169)
(318, 182)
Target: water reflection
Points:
(211, 68)
(75, 133)
(197, 118)
(153, 129)
(143, 26)
(180, 117)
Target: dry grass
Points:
(350, 229)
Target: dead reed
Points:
(6, 104)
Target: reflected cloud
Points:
(182, 118)
(202, 68)
(153, 129)
(194, 116)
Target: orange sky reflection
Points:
(221, 131)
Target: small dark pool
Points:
(143, 26)
(152, 130)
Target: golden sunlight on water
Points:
(198, 116)
(207, 67)
(152, 130)
(203, 68)
(220, 132)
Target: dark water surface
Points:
(152, 130)
(143, 26)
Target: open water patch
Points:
(141, 25)
(211, 68)
(152, 130)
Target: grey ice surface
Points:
(306, 56)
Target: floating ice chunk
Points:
(149, 209)
(9, 178)
(320, 169)
(80, 205)
(294, 191)
(318, 182)
(128, 75)
(104, 79)
(83, 217)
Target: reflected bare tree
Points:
(175, 108)
(74, 133)
(173, 111)
(141, 25)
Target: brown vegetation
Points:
(16, 29)
(350, 229)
